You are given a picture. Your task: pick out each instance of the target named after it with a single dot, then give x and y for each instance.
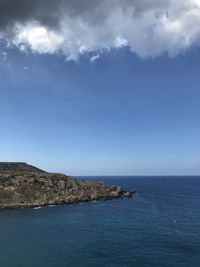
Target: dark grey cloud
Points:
(149, 27)
(12, 11)
(48, 12)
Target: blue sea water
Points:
(159, 226)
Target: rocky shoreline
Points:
(20, 189)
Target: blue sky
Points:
(121, 115)
(106, 87)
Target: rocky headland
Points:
(23, 185)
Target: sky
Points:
(101, 87)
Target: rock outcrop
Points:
(32, 189)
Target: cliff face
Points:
(18, 166)
(29, 189)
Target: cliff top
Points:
(18, 167)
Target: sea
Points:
(158, 227)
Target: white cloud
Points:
(38, 38)
(94, 58)
(150, 28)
(4, 56)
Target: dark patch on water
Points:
(186, 249)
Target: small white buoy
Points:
(174, 221)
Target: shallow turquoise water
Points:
(126, 232)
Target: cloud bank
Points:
(149, 28)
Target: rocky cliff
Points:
(30, 189)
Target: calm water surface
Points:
(160, 226)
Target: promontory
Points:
(23, 185)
